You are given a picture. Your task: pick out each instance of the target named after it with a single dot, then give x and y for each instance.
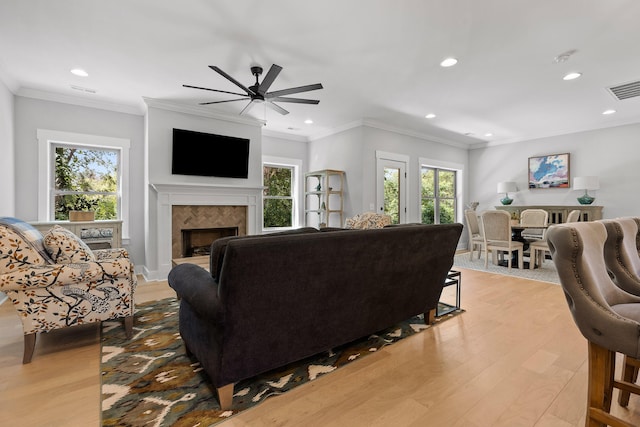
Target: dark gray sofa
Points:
(271, 300)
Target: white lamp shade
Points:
(586, 183)
(507, 187)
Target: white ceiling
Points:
(378, 60)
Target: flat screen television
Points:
(207, 154)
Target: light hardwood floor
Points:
(515, 358)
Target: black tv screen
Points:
(207, 154)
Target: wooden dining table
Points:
(516, 236)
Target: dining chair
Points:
(538, 249)
(496, 226)
(534, 218)
(573, 216)
(606, 315)
(475, 233)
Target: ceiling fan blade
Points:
(289, 91)
(277, 108)
(295, 100)
(215, 90)
(231, 79)
(220, 102)
(269, 78)
(247, 108)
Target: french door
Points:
(391, 189)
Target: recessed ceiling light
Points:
(449, 62)
(488, 134)
(607, 112)
(430, 116)
(79, 72)
(309, 121)
(571, 76)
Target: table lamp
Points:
(506, 188)
(586, 183)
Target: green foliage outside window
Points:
(85, 179)
(392, 194)
(277, 197)
(438, 186)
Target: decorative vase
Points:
(506, 201)
(585, 199)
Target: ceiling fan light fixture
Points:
(449, 62)
(572, 76)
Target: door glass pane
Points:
(392, 194)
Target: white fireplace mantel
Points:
(170, 194)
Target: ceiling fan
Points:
(258, 92)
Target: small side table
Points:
(454, 278)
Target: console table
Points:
(100, 234)
(558, 214)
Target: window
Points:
(438, 195)
(278, 196)
(85, 178)
(83, 171)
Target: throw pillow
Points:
(65, 247)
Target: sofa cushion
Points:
(219, 246)
(65, 247)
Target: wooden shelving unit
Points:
(324, 198)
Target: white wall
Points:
(7, 147)
(342, 151)
(354, 151)
(612, 154)
(33, 114)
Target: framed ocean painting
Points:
(551, 171)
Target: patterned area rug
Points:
(149, 380)
(546, 273)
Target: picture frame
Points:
(549, 171)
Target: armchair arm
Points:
(195, 285)
(40, 276)
(113, 253)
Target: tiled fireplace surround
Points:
(202, 206)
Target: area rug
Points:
(150, 381)
(546, 273)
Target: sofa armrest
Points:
(195, 285)
(40, 276)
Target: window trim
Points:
(296, 166)
(46, 140)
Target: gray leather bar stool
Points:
(606, 315)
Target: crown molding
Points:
(282, 135)
(336, 130)
(76, 100)
(420, 135)
(200, 111)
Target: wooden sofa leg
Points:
(430, 317)
(225, 396)
(29, 347)
(128, 326)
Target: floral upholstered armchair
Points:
(368, 220)
(56, 280)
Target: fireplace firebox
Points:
(197, 241)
